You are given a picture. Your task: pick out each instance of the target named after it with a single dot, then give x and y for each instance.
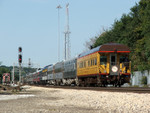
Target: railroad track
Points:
(106, 89)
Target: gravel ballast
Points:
(51, 100)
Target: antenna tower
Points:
(67, 49)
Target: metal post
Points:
(13, 73)
(20, 73)
(65, 55)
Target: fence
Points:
(136, 78)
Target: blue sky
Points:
(33, 25)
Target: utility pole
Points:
(58, 7)
(67, 32)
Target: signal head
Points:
(20, 58)
(20, 49)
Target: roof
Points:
(109, 47)
(47, 66)
(114, 47)
(89, 52)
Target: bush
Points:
(144, 80)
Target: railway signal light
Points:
(20, 58)
(20, 61)
(20, 55)
(20, 49)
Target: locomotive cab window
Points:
(103, 60)
(124, 59)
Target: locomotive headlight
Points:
(114, 69)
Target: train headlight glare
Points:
(114, 68)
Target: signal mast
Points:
(20, 62)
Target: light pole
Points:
(58, 7)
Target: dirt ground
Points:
(52, 100)
(43, 102)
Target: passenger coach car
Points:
(105, 64)
(70, 71)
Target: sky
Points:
(33, 25)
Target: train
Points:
(107, 64)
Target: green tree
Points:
(133, 30)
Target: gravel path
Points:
(51, 100)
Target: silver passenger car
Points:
(58, 73)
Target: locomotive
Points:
(104, 65)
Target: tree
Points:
(133, 30)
